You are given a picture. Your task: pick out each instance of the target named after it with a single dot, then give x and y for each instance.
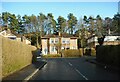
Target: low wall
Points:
(15, 55)
(109, 54)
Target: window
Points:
(63, 41)
(52, 41)
(74, 47)
(68, 42)
(52, 49)
(12, 38)
(68, 48)
(45, 50)
(56, 41)
(62, 47)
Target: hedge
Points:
(15, 55)
(93, 52)
(108, 54)
(0, 58)
(72, 53)
(90, 51)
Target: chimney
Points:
(59, 34)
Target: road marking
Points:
(31, 75)
(81, 74)
(70, 64)
(44, 66)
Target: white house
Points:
(108, 40)
(8, 34)
(50, 43)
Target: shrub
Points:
(81, 51)
(72, 53)
(90, 51)
(93, 52)
(108, 54)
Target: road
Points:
(73, 69)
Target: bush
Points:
(108, 54)
(72, 53)
(81, 51)
(93, 52)
(90, 51)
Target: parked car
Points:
(39, 54)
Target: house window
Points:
(67, 42)
(52, 49)
(45, 50)
(52, 41)
(63, 41)
(62, 47)
(56, 41)
(67, 48)
(13, 38)
(74, 47)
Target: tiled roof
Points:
(6, 33)
(66, 35)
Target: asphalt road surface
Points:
(73, 69)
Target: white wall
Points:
(111, 38)
(107, 38)
(44, 46)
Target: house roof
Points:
(65, 35)
(7, 33)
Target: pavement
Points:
(26, 73)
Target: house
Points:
(51, 43)
(7, 33)
(23, 39)
(108, 40)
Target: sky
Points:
(79, 9)
(59, 0)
